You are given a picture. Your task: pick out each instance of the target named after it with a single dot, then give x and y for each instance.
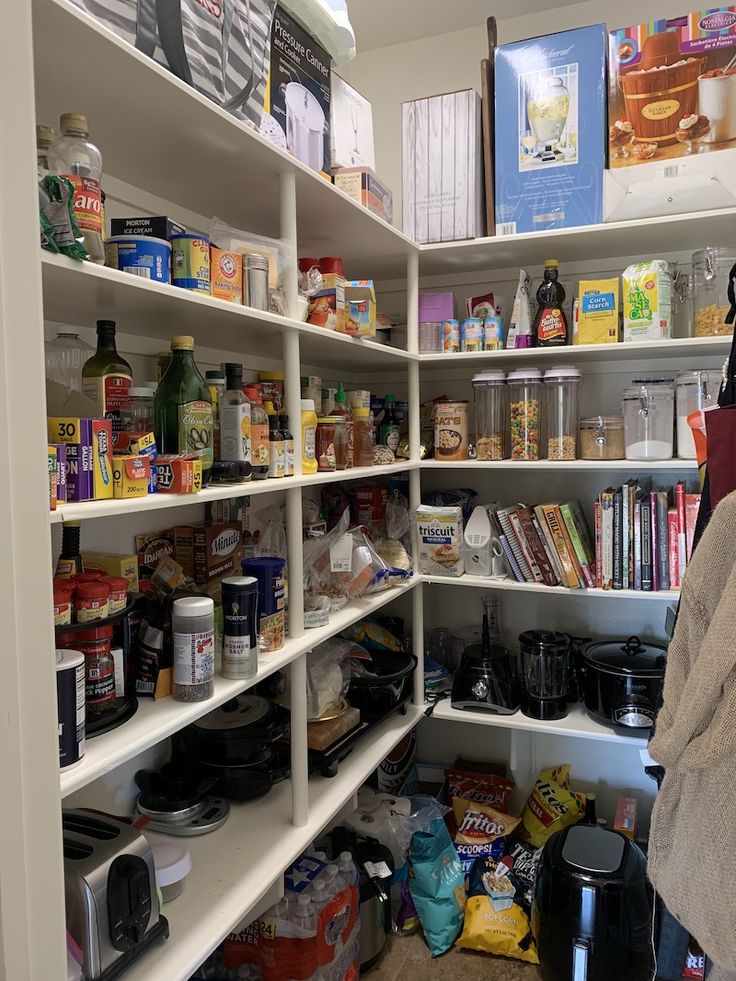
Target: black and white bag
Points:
(219, 47)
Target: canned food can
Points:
(451, 336)
(70, 701)
(493, 336)
(190, 262)
(269, 571)
(451, 431)
(471, 335)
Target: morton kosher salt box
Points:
(550, 132)
(442, 168)
(672, 88)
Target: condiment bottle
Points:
(183, 407)
(288, 446)
(193, 630)
(70, 559)
(362, 438)
(342, 409)
(107, 377)
(259, 438)
(235, 422)
(276, 463)
(550, 323)
(216, 384)
(309, 437)
(389, 432)
(73, 156)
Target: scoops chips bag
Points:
(481, 831)
(551, 806)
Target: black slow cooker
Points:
(622, 681)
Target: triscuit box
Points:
(440, 540)
(360, 308)
(442, 168)
(598, 311)
(550, 144)
(131, 476)
(351, 127)
(125, 566)
(362, 185)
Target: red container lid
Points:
(94, 633)
(92, 591)
(331, 264)
(63, 592)
(306, 264)
(117, 584)
(81, 577)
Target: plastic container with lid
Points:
(649, 419)
(693, 390)
(491, 415)
(173, 863)
(99, 665)
(255, 280)
(602, 438)
(713, 269)
(309, 437)
(136, 412)
(561, 412)
(193, 630)
(525, 413)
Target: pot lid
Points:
(628, 657)
(238, 713)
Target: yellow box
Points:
(114, 565)
(598, 321)
(360, 308)
(131, 474)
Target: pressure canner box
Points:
(550, 143)
(351, 127)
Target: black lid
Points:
(544, 642)
(106, 328)
(493, 652)
(234, 375)
(593, 849)
(627, 657)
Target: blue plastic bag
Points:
(437, 886)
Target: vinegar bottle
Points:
(73, 156)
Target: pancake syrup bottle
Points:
(550, 323)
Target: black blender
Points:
(488, 676)
(546, 666)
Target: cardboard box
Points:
(151, 547)
(297, 109)
(598, 311)
(178, 474)
(61, 472)
(158, 226)
(226, 275)
(550, 143)
(131, 476)
(370, 504)
(327, 306)
(360, 308)
(209, 551)
(669, 87)
(625, 820)
(351, 127)
(362, 185)
(125, 566)
(89, 456)
(53, 479)
(442, 168)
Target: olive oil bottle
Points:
(107, 377)
(183, 408)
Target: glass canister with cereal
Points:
(525, 413)
(491, 415)
(451, 431)
(561, 395)
(713, 269)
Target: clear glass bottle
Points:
(66, 357)
(136, 412)
(74, 156)
(491, 415)
(183, 407)
(234, 412)
(561, 390)
(259, 438)
(276, 459)
(45, 136)
(107, 376)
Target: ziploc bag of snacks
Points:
(482, 831)
(551, 806)
(437, 886)
(481, 788)
(497, 919)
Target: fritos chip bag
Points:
(551, 806)
(481, 831)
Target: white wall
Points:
(398, 73)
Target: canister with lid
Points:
(525, 413)
(649, 419)
(491, 415)
(561, 391)
(255, 271)
(451, 430)
(693, 390)
(193, 630)
(602, 438)
(713, 269)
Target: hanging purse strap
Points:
(145, 27)
(171, 33)
(727, 395)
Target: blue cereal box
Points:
(551, 131)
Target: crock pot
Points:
(305, 126)
(622, 681)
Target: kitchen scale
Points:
(179, 804)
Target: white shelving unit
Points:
(174, 145)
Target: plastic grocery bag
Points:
(437, 886)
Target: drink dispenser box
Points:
(551, 131)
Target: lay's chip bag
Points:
(551, 806)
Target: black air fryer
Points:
(592, 910)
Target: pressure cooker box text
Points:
(297, 111)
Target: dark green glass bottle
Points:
(107, 376)
(183, 408)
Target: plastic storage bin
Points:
(602, 438)
(561, 396)
(711, 275)
(693, 390)
(525, 413)
(649, 419)
(491, 415)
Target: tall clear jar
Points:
(694, 390)
(491, 415)
(561, 412)
(712, 270)
(136, 412)
(649, 419)
(525, 413)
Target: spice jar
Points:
(326, 455)
(92, 601)
(451, 430)
(602, 438)
(491, 415)
(694, 390)
(712, 271)
(193, 629)
(118, 587)
(525, 413)
(649, 417)
(99, 665)
(561, 390)
(63, 594)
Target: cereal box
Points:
(440, 540)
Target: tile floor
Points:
(408, 959)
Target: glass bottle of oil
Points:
(183, 408)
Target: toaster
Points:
(112, 909)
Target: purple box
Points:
(79, 456)
(62, 469)
(436, 307)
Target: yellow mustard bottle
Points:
(309, 437)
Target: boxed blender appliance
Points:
(550, 131)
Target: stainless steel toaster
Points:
(112, 908)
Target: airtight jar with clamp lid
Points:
(713, 270)
(561, 387)
(694, 390)
(602, 438)
(491, 415)
(649, 419)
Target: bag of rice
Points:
(551, 806)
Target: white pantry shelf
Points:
(155, 721)
(82, 292)
(484, 582)
(576, 723)
(85, 510)
(563, 466)
(234, 868)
